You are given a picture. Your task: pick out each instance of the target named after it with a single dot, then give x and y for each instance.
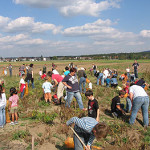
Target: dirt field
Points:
(51, 136)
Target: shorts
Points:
(14, 109)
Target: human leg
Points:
(46, 97)
(60, 90)
(128, 104)
(2, 116)
(137, 103)
(84, 83)
(98, 79)
(69, 98)
(78, 97)
(145, 111)
(80, 84)
(49, 97)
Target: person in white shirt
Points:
(22, 85)
(128, 72)
(40, 74)
(47, 90)
(139, 99)
(55, 70)
(2, 107)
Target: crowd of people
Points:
(73, 81)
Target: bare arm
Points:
(118, 106)
(131, 96)
(97, 118)
(69, 87)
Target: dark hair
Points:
(132, 84)
(89, 93)
(13, 91)
(66, 68)
(23, 74)
(101, 130)
(73, 70)
(49, 73)
(31, 65)
(121, 92)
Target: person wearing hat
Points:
(47, 90)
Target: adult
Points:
(87, 128)
(71, 65)
(82, 76)
(10, 70)
(100, 77)
(22, 70)
(44, 69)
(58, 82)
(71, 82)
(135, 65)
(55, 70)
(139, 99)
(30, 76)
(94, 68)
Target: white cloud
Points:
(73, 7)
(3, 21)
(94, 28)
(145, 33)
(27, 25)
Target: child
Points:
(116, 106)
(2, 107)
(47, 90)
(22, 85)
(107, 81)
(13, 107)
(93, 108)
(40, 74)
(87, 129)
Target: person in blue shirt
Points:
(87, 129)
(107, 81)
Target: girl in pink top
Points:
(13, 107)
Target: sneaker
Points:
(114, 114)
(16, 122)
(1, 126)
(12, 123)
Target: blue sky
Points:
(73, 27)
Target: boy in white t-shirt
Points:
(47, 90)
(22, 85)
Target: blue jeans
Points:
(99, 77)
(136, 73)
(22, 93)
(83, 136)
(128, 75)
(143, 103)
(10, 72)
(78, 97)
(2, 116)
(82, 81)
(128, 104)
(32, 84)
(102, 80)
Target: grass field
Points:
(46, 122)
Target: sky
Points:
(73, 27)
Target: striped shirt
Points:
(85, 124)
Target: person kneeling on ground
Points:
(116, 106)
(87, 129)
